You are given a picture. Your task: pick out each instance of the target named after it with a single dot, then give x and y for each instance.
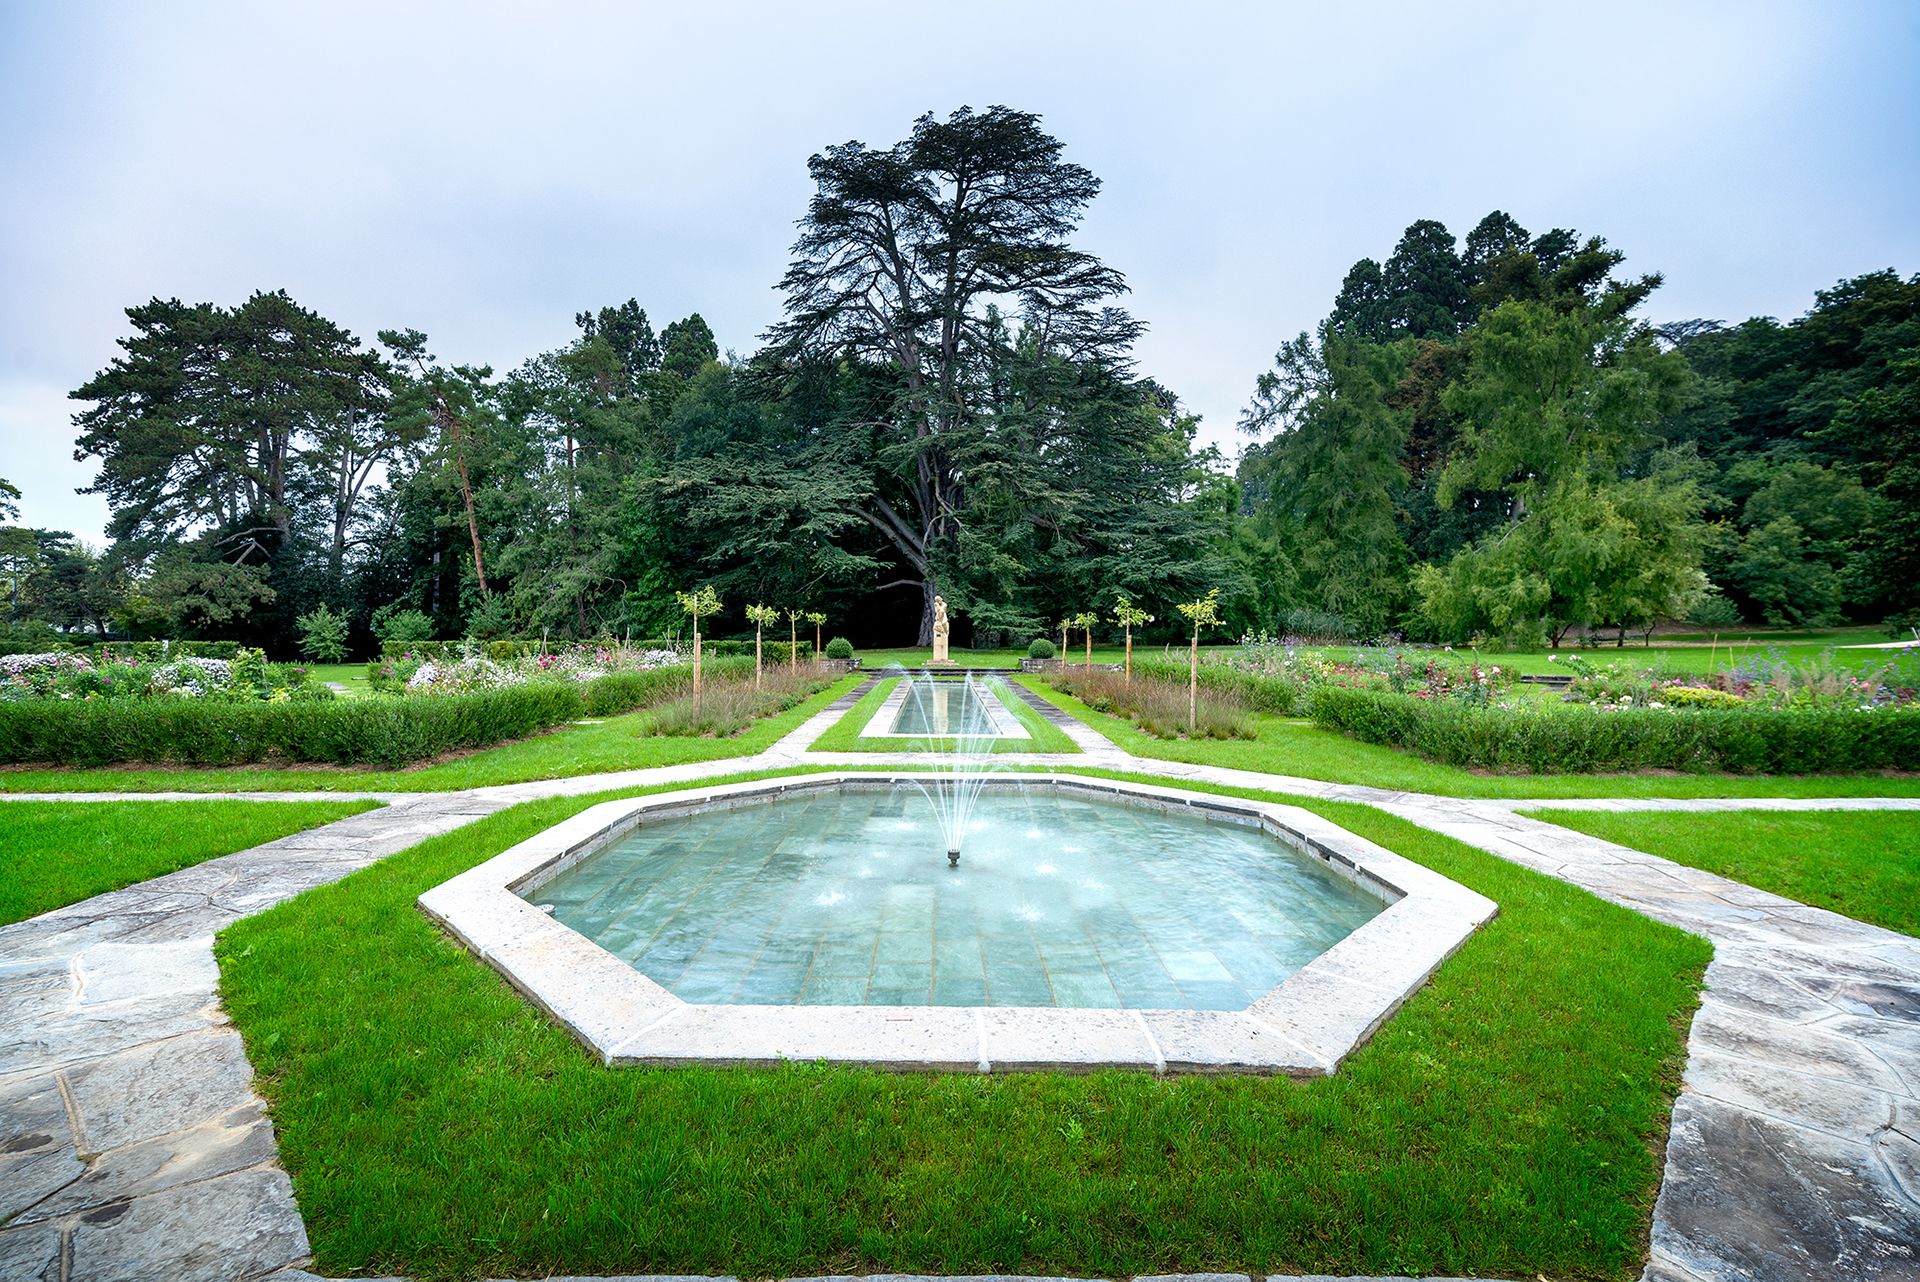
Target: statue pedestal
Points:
(940, 658)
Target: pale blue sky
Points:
(484, 172)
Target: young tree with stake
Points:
(698, 604)
(816, 618)
(1204, 613)
(760, 616)
(1085, 621)
(793, 638)
(1129, 616)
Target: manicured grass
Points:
(1284, 746)
(60, 852)
(1508, 1121)
(616, 743)
(1864, 863)
(844, 735)
(1675, 655)
(351, 675)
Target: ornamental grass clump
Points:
(728, 706)
(1159, 706)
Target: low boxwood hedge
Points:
(1574, 739)
(383, 731)
(387, 730)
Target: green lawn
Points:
(617, 743)
(1285, 746)
(1864, 863)
(60, 852)
(351, 675)
(844, 735)
(1508, 1121)
(1677, 655)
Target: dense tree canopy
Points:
(1483, 438)
(1491, 442)
(948, 405)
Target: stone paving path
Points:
(133, 1146)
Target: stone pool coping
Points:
(1303, 1028)
(1005, 724)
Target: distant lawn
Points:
(1285, 746)
(1863, 863)
(1678, 655)
(1508, 1121)
(844, 735)
(596, 747)
(351, 675)
(60, 852)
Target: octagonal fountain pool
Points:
(1086, 923)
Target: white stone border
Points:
(881, 724)
(1303, 1028)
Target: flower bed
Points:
(247, 677)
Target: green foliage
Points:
(840, 648)
(1734, 740)
(383, 731)
(699, 603)
(323, 635)
(397, 625)
(1041, 648)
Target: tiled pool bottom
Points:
(844, 897)
(944, 709)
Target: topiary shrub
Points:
(840, 648)
(1041, 648)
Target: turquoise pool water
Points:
(947, 708)
(844, 897)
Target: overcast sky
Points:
(484, 172)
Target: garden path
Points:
(132, 1143)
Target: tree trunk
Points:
(1193, 681)
(1129, 654)
(928, 590)
(696, 667)
(793, 644)
(756, 655)
(1089, 649)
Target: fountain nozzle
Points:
(953, 858)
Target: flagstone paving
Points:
(133, 1146)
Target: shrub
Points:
(388, 732)
(1680, 696)
(1317, 627)
(398, 626)
(840, 648)
(1041, 648)
(1157, 706)
(1574, 739)
(323, 634)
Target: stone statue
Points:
(940, 630)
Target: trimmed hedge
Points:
(1281, 696)
(1582, 740)
(388, 732)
